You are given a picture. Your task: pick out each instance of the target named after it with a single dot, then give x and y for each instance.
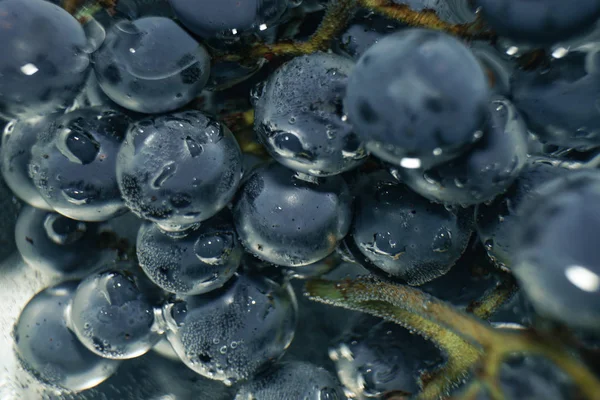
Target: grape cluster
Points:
(398, 151)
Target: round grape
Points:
(292, 380)
(197, 263)
(112, 317)
(53, 242)
(287, 220)
(299, 116)
(404, 234)
(417, 98)
(231, 333)
(557, 261)
(151, 65)
(49, 350)
(73, 163)
(484, 171)
(180, 169)
(45, 60)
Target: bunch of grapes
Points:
(177, 170)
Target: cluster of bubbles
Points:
(404, 152)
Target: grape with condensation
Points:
(299, 116)
(560, 103)
(73, 163)
(18, 138)
(557, 261)
(403, 234)
(178, 169)
(112, 316)
(231, 333)
(294, 381)
(44, 58)
(376, 357)
(49, 350)
(197, 263)
(417, 98)
(52, 242)
(539, 21)
(484, 171)
(151, 65)
(291, 220)
(228, 18)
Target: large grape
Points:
(560, 103)
(44, 60)
(49, 350)
(557, 261)
(197, 263)
(404, 234)
(418, 98)
(151, 65)
(293, 381)
(539, 21)
(484, 171)
(73, 163)
(228, 18)
(289, 221)
(231, 333)
(179, 169)
(112, 317)
(299, 116)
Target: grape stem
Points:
(470, 343)
(493, 299)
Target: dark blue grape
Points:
(73, 163)
(375, 358)
(179, 169)
(292, 380)
(151, 65)
(112, 317)
(49, 350)
(404, 234)
(53, 242)
(45, 60)
(417, 98)
(560, 103)
(540, 21)
(197, 263)
(299, 116)
(498, 221)
(228, 18)
(557, 261)
(286, 220)
(484, 171)
(231, 333)
(9, 209)
(15, 153)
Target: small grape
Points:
(231, 333)
(178, 170)
(18, 139)
(45, 60)
(228, 18)
(417, 98)
(112, 317)
(484, 171)
(73, 163)
(299, 116)
(286, 220)
(53, 242)
(541, 21)
(151, 65)
(404, 234)
(49, 350)
(292, 380)
(557, 260)
(197, 263)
